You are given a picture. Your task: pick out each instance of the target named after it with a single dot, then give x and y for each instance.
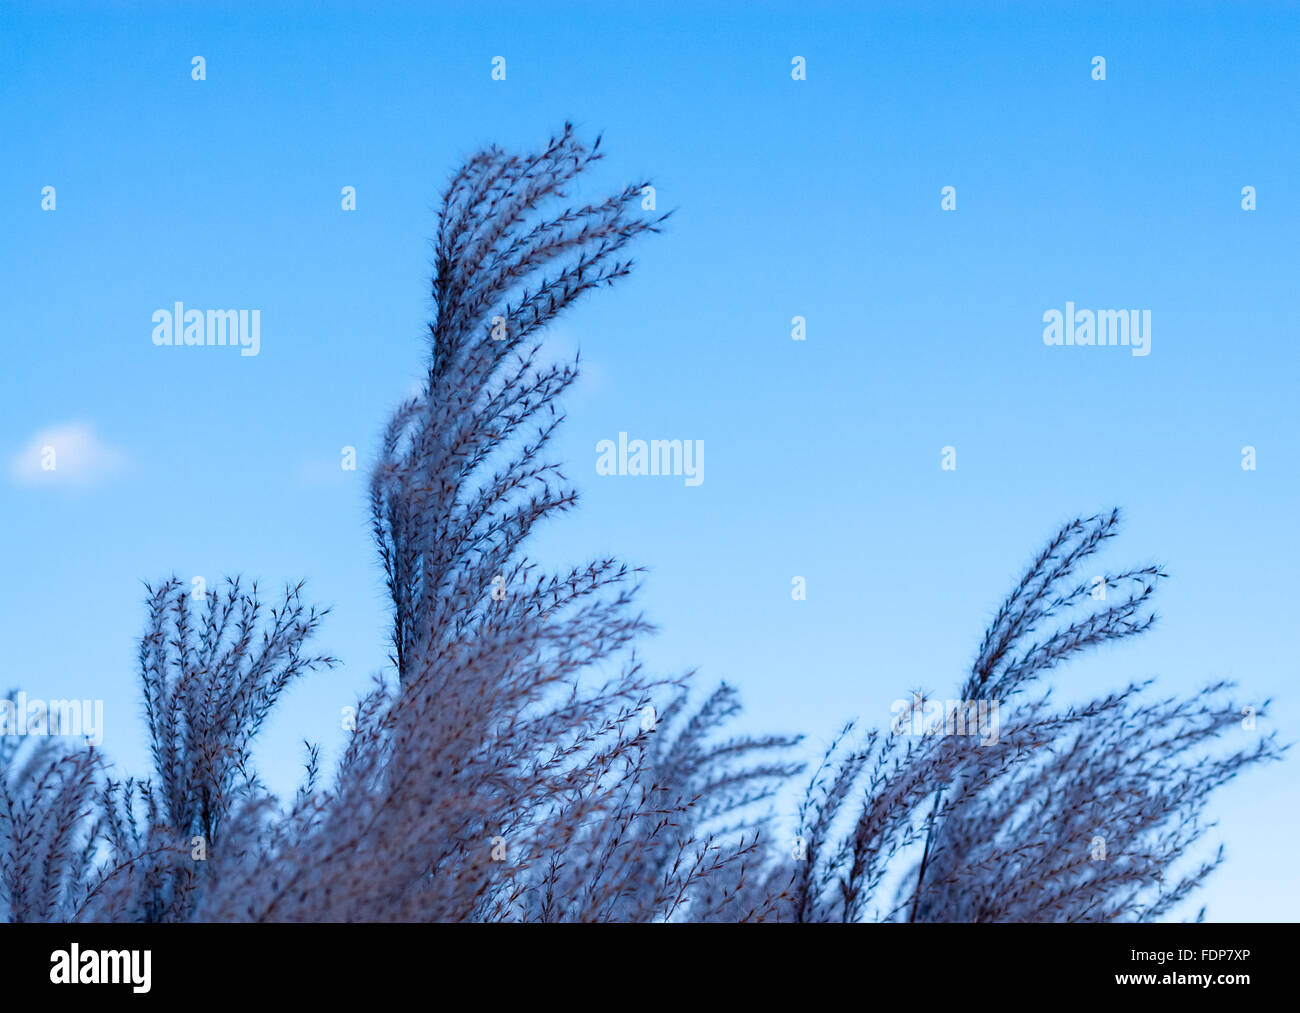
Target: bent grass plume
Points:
(519, 763)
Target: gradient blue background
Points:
(818, 198)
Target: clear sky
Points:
(818, 198)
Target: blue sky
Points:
(818, 198)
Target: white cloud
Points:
(68, 455)
(559, 346)
(318, 471)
